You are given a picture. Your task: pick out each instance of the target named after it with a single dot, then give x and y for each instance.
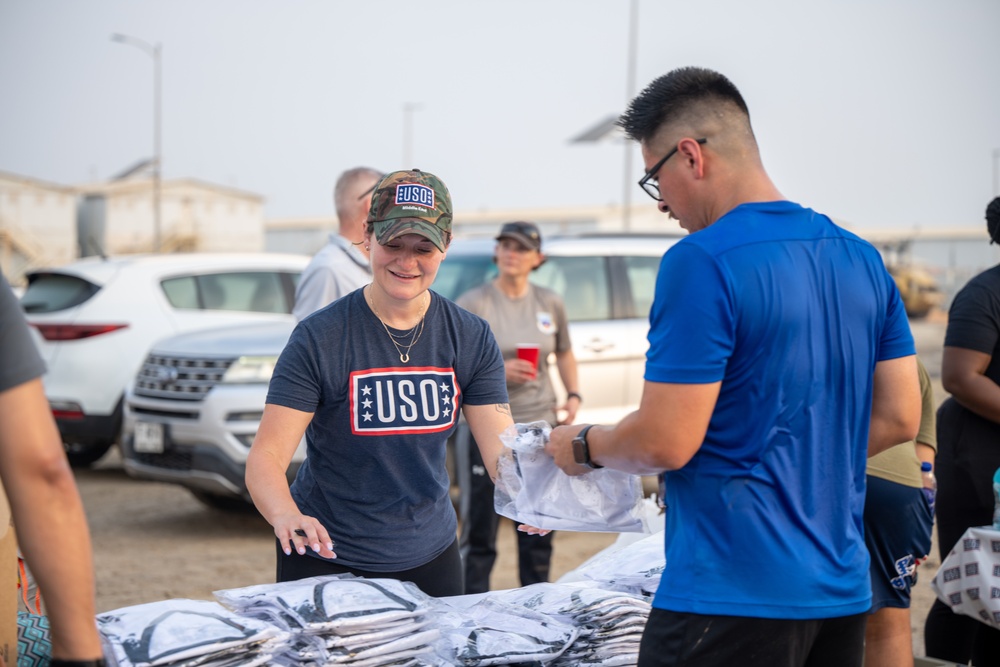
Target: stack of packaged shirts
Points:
(185, 633)
(492, 632)
(634, 568)
(346, 620)
(609, 623)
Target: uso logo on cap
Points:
(414, 193)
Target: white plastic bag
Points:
(531, 489)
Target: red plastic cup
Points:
(529, 352)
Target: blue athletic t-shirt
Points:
(375, 473)
(791, 313)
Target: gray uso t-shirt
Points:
(19, 358)
(375, 473)
(538, 317)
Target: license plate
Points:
(148, 438)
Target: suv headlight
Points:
(246, 370)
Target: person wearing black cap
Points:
(518, 312)
(968, 432)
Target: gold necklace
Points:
(414, 333)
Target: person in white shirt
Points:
(341, 266)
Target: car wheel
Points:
(82, 455)
(225, 503)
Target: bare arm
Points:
(487, 422)
(51, 524)
(566, 363)
(895, 404)
(278, 436)
(663, 434)
(963, 376)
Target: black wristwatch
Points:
(581, 451)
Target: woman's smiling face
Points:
(405, 267)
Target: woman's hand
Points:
(531, 530)
(298, 531)
(519, 371)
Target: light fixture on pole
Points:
(153, 51)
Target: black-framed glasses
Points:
(649, 183)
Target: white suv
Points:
(194, 408)
(96, 319)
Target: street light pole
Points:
(408, 109)
(996, 172)
(629, 91)
(153, 51)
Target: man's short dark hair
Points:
(993, 220)
(672, 95)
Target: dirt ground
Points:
(155, 541)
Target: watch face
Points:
(579, 450)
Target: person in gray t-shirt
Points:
(519, 313)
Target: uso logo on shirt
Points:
(546, 324)
(403, 401)
(414, 193)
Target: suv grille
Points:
(179, 378)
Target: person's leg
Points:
(947, 635)
(889, 638)
(293, 567)
(674, 639)
(534, 557)
(840, 642)
(479, 532)
(898, 524)
(440, 577)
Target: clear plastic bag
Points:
(531, 489)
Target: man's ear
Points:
(690, 151)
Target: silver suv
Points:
(193, 410)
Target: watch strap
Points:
(581, 437)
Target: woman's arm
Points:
(278, 436)
(49, 517)
(963, 376)
(487, 422)
(566, 363)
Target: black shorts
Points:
(898, 524)
(441, 577)
(675, 639)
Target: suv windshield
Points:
(51, 292)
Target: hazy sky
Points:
(883, 113)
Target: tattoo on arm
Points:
(504, 408)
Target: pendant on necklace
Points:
(405, 358)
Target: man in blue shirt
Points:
(780, 358)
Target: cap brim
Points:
(524, 240)
(397, 227)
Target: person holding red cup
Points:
(530, 325)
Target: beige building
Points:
(116, 217)
(37, 225)
(43, 224)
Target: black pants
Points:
(441, 577)
(675, 639)
(479, 529)
(968, 454)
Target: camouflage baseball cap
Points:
(411, 202)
